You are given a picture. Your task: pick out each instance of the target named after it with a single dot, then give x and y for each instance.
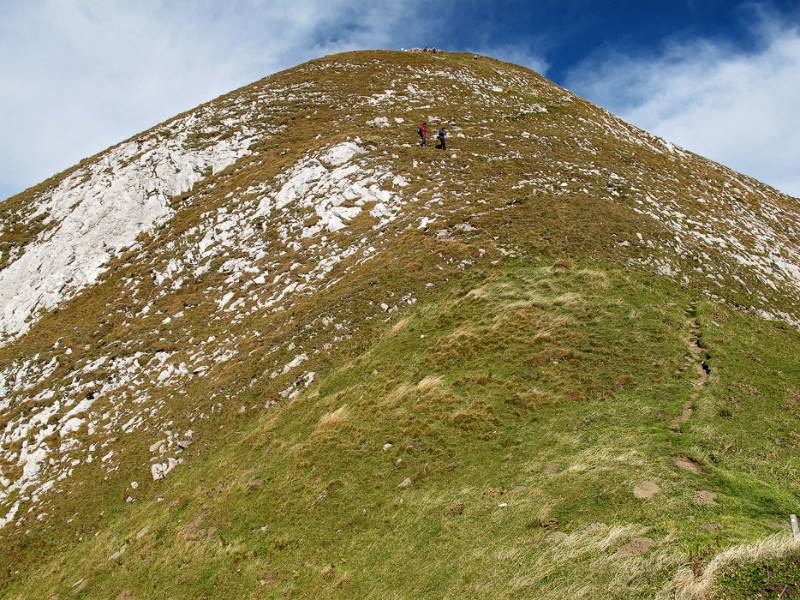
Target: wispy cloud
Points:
(518, 53)
(78, 76)
(736, 107)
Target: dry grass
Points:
(595, 278)
(529, 303)
(466, 331)
(333, 420)
(397, 395)
(476, 293)
(569, 300)
(685, 585)
(398, 327)
(429, 383)
(596, 549)
(563, 265)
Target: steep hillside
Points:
(274, 348)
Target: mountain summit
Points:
(274, 347)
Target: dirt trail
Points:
(700, 366)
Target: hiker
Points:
(442, 145)
(422, 131)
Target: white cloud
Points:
(78, 76)
(518, 54)
(738, 108)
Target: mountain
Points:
(274, 348)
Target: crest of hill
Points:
(230, 274)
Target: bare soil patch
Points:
(646, 490)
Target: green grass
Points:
(776, 578)
(547, 389)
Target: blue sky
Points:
(719, 77)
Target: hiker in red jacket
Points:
(422, 131)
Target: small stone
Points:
(503, 505)
(117, 554)
(160, 470)
(386, 447)
(405, 483)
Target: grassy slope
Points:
(549, 389)
(557, 394)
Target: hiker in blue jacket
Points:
(442, 145)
